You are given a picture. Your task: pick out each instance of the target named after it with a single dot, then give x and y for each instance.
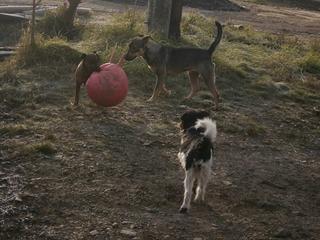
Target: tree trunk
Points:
(70, 13)
(175, 20)
(164, 17)
(159, 12)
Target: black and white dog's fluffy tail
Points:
(209, 128)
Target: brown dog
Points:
(164, 60)
(90, 63)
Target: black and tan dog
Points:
(90, 63)
(164, 60)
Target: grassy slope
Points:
(82, 169)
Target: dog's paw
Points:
(73, 104)
(183, 210)
(168, 93)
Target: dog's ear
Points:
(145, 39)
(83, 56)
(203, 114)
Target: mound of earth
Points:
(224, 5)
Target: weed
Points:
(45, 148)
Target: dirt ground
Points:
(96, 173)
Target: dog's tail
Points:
(217, 39)
(210, 128)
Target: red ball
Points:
(108, 87)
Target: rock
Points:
(197, 238)
(132, 226)
(93, 232)
(18, 198)
(114, 225)
(128, 232)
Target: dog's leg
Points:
(194, 83)
(209, 78)
(202, 183)
(188, 185)
(214, 80)
(166, 91)
(158, 86)
(76, 98)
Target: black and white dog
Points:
(199, 133)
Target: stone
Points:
(128, 232)
(93, 232)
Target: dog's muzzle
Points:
(129, 57)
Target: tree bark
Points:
(159, 12)
(175, 20)
(70, 13)
(164, 17)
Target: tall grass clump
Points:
(311, 62)
(45, 51)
